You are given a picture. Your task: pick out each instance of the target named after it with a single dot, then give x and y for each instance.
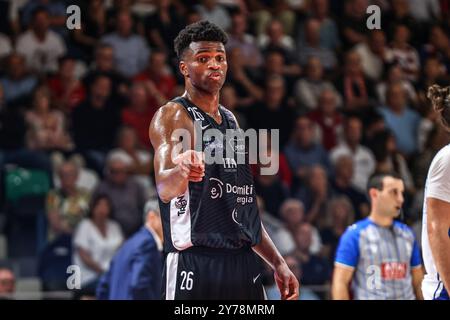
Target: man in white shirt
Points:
(40, 46)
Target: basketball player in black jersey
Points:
(211, 222)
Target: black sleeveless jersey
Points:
(221, 210)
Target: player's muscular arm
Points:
(173, 174)
(438, 224)
(341, 283)
(285, 279)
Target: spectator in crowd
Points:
(329, 37)
(340, 215)
(238, 37)
(212, 11)
(316, 270)
(5, 46)
(127, 195)
(315, 194)
(135, 272)
(273, 112)
(374, 54)
(130, 50)
(292, 213)
(400, 119)
(353, 23)
(46, 126)
(294, 265)
(302, 151)
(68, 204)
(309, 88)
(95, 242)
(138, 113)
(41, 46)
(405, 54)
(164, 24)
(313, 47)
(433, 72)
(104, 65)
(95, 122)
(356, 89)
(394, 74)
(67, 91)
(363, 158)
(342, 185)
(400, 14)
(229, 98)
(438, 45)
(158, 80)
(276, 38)
(7, 283)
(93, 27)
(141, 160)
(17, 84)
(328, 118)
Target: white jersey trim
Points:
(171, 275)
(180, 221)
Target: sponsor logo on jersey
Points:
(393, 270)
(218, 188)
(180, 204)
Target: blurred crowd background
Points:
(75, 106)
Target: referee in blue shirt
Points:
(136, 270)
(378, 258)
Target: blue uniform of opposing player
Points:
(378, 258)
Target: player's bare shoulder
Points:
(168, 118)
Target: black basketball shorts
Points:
(201, 273)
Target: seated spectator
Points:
(46, 126)
(276, 38)
(342, 185)
(389, 159)
(163, 25)
(316, 270)
(95, 122)
(340, 215)
(328, 118)
(395, 74)
(17, 84)
(308, 89)
(95, 241)
(104, 65)
(272, 291)
(315, 194)
(7, 283)
(356, 89)
(292, 213)
(5, 46)
(272, 112)
(214, 12)
(405, 54)
(329, 32)
(238, 37)
(93, 27)
(68, 204)
(138, 114)
(229, 99)
(41, 46)
(312, 47)
(433, 72)
(127, 195)
(278, 232)
(400, 119)
(141, 160)
(135, 272)
(374, 55)
(302, 151)
(130, 50)
(158, 80)
(363, 158)
(67, 91)
(352, 26)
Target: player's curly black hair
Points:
(199, 31)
